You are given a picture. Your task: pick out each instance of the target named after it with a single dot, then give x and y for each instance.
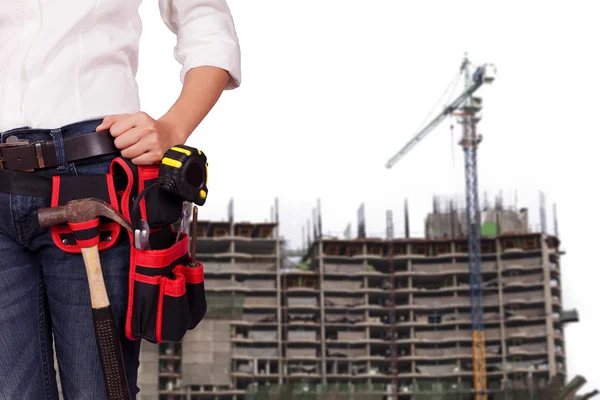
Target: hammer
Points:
(83, 217)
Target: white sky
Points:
(332, 89)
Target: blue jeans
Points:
(44, 294)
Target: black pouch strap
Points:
(25, 183)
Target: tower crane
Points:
(466, 107)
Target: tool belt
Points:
(166, 296)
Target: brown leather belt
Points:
(24, 156)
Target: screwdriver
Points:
(193, 263)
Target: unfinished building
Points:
(366, 317)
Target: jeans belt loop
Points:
(59, 146)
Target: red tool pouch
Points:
(166, 297)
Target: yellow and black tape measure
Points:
(184, 171)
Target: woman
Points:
(67, 69)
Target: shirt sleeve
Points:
(206, 36)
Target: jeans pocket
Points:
(94, 165)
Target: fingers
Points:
(138, 141)
(129, 138)
(108, 121)
(137, 136)
(148, 158)
(142, 153)
(135, 149)
(119, 124)
(123, 125)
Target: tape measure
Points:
(184, 172)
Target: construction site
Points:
(368, 318)
(471, 309)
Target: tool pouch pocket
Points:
(158, 207)
(166, 296)
(66, 188)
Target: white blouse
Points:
(63, 61)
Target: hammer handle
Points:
(107, 337)
(93, 269)
(111, 356)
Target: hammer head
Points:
(81, 210)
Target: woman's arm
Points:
(201, 90)
(209, 53)
(145, 140)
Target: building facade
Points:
(369, 318)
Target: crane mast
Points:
(468, 107)
(470, 142)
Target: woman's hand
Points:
(145, 140)
(141, 138)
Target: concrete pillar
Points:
(548, 307)
(501, 301)
(322, 306)
(413, 368)
(278, 286)
(366, 297)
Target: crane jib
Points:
(435, 122)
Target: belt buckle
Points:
(18, 143)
